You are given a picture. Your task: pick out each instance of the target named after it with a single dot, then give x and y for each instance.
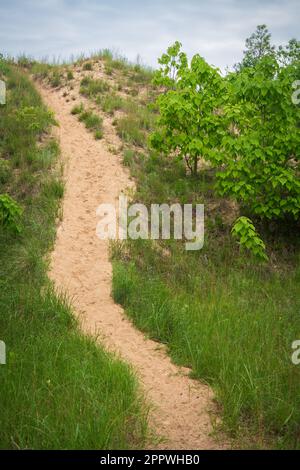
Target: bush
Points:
(91, 88)
(262, 159)
(10, 213)
(87, 66)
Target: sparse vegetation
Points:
(52, 394)
(87, 66)
(92, 88)
(92, 121)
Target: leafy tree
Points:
(244, 230)
(262, 147)
(289, 54)
(190, 122)
(258, 45)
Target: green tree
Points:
(190, 122)
(262, 147)
(258, 45)
(289, 54)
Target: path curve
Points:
(80, 266)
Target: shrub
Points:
(70, 75)
(262, 159)
(87, 66)
(91, 88)
(92, 121)
(55, 80)
(77, 109)
(110, 103)
(10, 213)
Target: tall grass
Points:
(228, 319)
(59, 389)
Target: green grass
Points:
(129, 130)
(87, 66)
(70, 75)
(92, 121)
(110, 103)
(92, 88)
(59, 389)
(228, 319)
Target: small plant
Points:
(92, 121)
(70, 75)
(10, 213)
(87, 66)
(77, 109)
(55, 80)
(91, 88)
(98, 134)
(34, 119)
(244, 230)
(110, 103)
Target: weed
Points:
(87, 66)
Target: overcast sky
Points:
(216, 29)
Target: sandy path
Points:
(81, 267)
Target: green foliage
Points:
(92, 121)
(190, 122)
(87, 66)
(128, 129)
(34, 119)
(244, 230)
(110, 103)
(258, 45)
(77, 109)
(55, 79)
(70, 75)
(10, 213)
(91, 88)
(290, 53)
(262, 146)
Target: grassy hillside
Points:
(228, 318)
(59, 389)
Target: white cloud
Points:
(216, 29)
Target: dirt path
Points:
(179, 406)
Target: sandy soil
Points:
(180, 408)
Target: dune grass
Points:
(92, 88)
(228, 319)
(59, 388)
(91, 120)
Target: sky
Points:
(216, 29)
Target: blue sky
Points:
(216, 29)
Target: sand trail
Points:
(179, 406)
